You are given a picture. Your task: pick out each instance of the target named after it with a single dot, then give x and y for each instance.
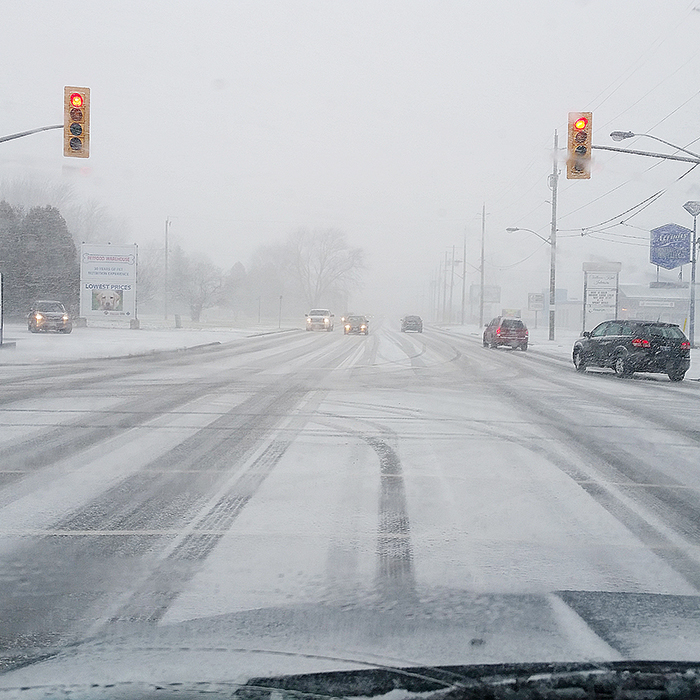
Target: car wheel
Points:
(66, 330)
(33, 329)
(579, 361)
(621, 366)
(523, 347)
(676, 375)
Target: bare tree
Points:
(196, 281)
(324, 265)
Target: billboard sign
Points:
(108, 281)
(669, 246)
(600, 291)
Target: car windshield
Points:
(672, 332)
(206, 477)
(512, 323)
(50, 306)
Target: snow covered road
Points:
(421, 473)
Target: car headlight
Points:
(308, 320)
(362, 328)
(326, 320)
(39, 317)
(65, 317)
(347, 328)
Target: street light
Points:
(552, 242)
(693, 208)
(622, 135)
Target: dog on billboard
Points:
(107, 300)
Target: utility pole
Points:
(165, 287)
(464, 275)
(481, 269)
(444, 291)
(452, 285)
(553, 242)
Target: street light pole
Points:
(165, 275)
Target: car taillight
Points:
(498, 331)
(527, 332)
(685, 345)
(640, 343)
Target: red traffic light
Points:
(76, 122)
(581, 123)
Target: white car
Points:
(319, 320)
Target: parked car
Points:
(412, 323)
(319, 320)
(505, 331)
(356, 324)
(634, 346)
(49, 315)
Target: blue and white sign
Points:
(669, 246)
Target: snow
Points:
(24, 348)
(559, 348)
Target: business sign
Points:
(600, 291)
(535, 301)
(108, 281)
(669, 246)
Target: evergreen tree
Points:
(40, 258)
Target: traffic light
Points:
(578, 163)
(76, 122)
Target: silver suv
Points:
(319, 320)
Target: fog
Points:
(394, 121)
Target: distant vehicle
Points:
(412, 323)
(356, 324)
(634, 346)
(505, 331)
(319, 320)
(49, 315)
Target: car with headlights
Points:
(356, 324)
(319, 320)
(634, 346)
(412, 323)
(49, 315)
(504, 331)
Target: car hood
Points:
(454, 629)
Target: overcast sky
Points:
(393, 120)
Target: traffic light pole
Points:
(28, 133)
(553, 243)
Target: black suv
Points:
(634, 346)
(46, 314)
(507, 332)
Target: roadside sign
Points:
(535, 301)
(669, 246)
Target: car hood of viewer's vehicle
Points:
(452, 629)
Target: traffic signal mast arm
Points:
(27, 133)
(647, 153)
